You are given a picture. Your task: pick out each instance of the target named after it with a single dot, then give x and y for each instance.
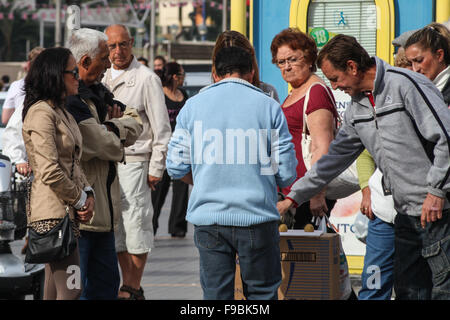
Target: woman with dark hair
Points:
(53, 144)
(172, 78)
(428, 50)
(295, 54)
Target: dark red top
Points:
(318, 99)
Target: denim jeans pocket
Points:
(438, 257)
(207, 236)
(264, 235)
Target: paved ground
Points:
(172, 272)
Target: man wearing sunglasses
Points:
(106, 132)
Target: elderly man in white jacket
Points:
(137, 86)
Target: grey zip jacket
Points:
(407, 133)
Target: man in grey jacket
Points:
(402, 120)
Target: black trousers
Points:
(180, 198)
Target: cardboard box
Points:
(309, 267)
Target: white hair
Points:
(86, 41)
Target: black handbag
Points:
(54, 245)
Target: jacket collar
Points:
(64, 114)
(442, 79)
(99, 95)
(232, 80)
(378, 83)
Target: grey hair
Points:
(86, 41)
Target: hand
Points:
(23, 168)
(366, 204)
(431, 209)
(84, 215)
(284, 205)
(152, 182)
(114, 112)
(188, 178)
(318, 205)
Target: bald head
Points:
(118, 28)
(120, 44)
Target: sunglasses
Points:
(74, 72)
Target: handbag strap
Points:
(305, 106)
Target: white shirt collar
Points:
(442, 78)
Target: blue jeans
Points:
(258, 248)
(377, 278)
(100, 276)
(422, 267)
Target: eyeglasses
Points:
(122, 45)
(181, 74)
(291, 60)
(74, 72)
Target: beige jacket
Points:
(102, 149)
(141, 88)
(53, 142)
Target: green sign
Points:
(320, 35)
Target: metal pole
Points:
(58, 23)
(224, 15)
(27, 46)
(152, 34)
(238, 20)
(41, 33)
(204, 19)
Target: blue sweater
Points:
(235, 140)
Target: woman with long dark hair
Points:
(172, 78)
(53, 143)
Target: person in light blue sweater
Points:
(232, 143)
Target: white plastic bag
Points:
(344, 276)
(361, 227)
